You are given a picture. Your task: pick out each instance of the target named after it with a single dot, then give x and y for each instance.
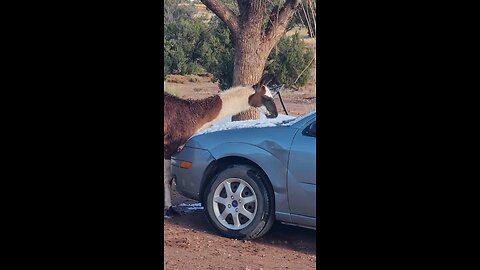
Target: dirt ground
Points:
(190, 242)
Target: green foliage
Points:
(216, 53)
(165, 71)
(289, 60)
(181, 42)
(182, 34)
(192, 45)
(232, 5)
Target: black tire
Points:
(264, 215)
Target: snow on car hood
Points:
(227, 124)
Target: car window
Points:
(311, 130)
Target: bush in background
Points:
(288, 60)
(216, 53)
(180, 43)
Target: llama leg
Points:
(167, 181)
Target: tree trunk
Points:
(252, 43)
(250, 60)
(250, 56)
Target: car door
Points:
(302, 176)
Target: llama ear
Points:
(265, 80)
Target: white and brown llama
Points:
(184, 117)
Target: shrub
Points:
(289, 60)
(174, 78)
(194, 79)
(172, 90)
(181, 41)
(216, 53)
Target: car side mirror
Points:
(313, 129)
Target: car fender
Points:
(267, 161)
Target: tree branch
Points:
(224, 13)
(279, 20)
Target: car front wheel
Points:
(239, 204)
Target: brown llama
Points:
(184, 117)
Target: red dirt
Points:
(190, 242)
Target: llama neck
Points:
(234, 101)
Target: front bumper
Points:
(189, 181)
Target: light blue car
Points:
(248, 177)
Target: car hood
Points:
(275, 137)
(276, 133)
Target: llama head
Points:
(263, 98)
